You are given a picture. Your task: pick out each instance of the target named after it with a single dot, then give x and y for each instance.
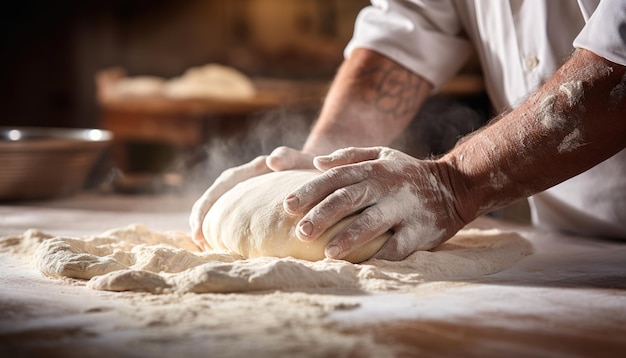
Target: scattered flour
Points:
(138, 259)
(276, 307)
(573, 90)
(571, 141)
(554, 119)
(549, 117)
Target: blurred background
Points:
(51, 51)
(54, 55)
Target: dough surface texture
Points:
(250, 220)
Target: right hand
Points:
(389, 191)
(282, 158)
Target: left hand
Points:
(281, 158)
(390, 190)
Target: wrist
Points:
(466, 196)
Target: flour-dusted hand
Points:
(392, 191)
(282, 158)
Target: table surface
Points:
(567, 299)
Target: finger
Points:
(285, 158)
(398, 247)
(404, 242)
(336, 206)
(198, 212)
(370, 224)
(198, 238)
(226, 181)
(236, 175)
(195, 222)
(233, 176)
(309, 194)
(346, 156)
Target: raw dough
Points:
(210, 81)
(250, 221)
(139, 86)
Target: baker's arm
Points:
(371, 101)
(574, 121)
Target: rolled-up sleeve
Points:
(605, 32)
(424, 36)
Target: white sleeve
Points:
(423, 36)
(605, 32)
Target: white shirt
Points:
(520, 44)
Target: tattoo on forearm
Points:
(396, 90)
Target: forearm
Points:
(371, 101)
(573, 122)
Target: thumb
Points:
(286, 158)
(346, 156)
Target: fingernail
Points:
(332, 251)
(292, 203)
(306, 228)
(323, 158)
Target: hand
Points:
(282, 158)
(390, 190)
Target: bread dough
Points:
(210, 81)
(250, 220)
(139, 86)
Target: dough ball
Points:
(210, 81)
(139, 86)
(250, 220)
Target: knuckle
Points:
(334, 175)
(227, 174)
(278, 153)
(372, 220)
(344, 195)
(378, 167)
(281, 150)
(259, 162)
(352, 198)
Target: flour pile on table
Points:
(138, 259)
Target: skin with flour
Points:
(574, 121)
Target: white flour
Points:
(137, 259)
(573, 90)
(283, 307)
(571, 141)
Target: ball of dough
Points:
(250, 220)
(210, 81)
(139, 86)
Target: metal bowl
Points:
(42, 163)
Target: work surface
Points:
(567, 299)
